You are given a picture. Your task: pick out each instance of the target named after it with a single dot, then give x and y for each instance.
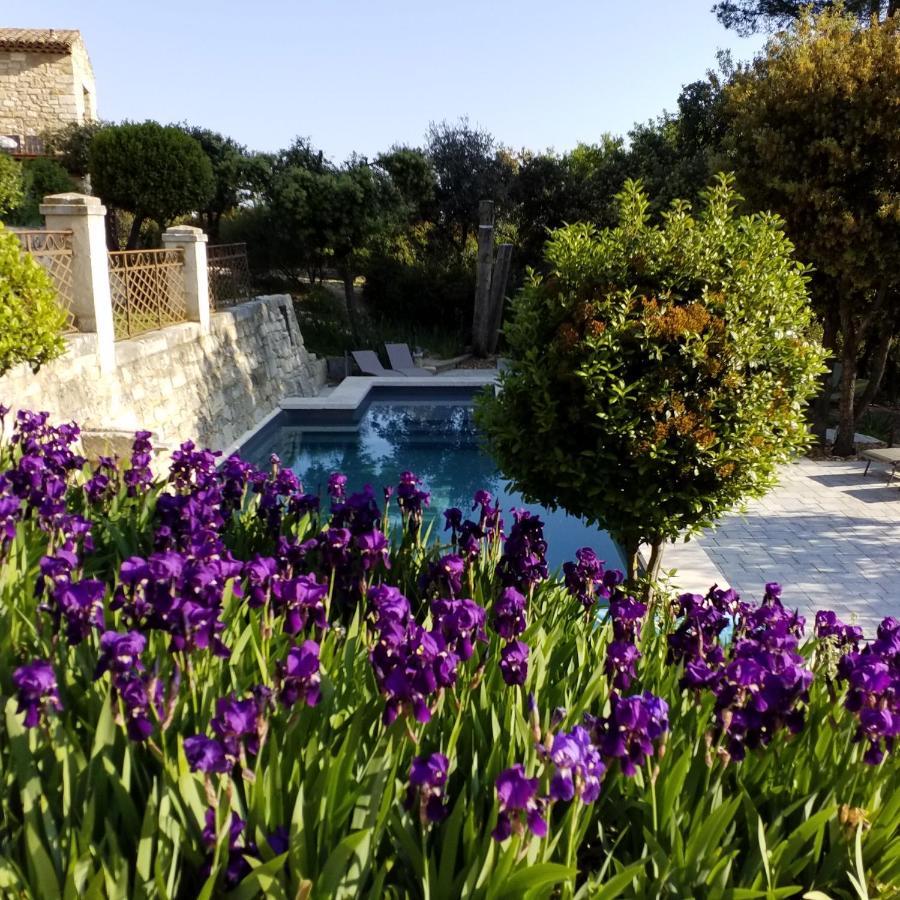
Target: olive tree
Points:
(659, 373)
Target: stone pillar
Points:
(85, 217)
(196, 276)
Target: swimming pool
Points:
(430, 431)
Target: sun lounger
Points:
(401, 360)
(889, 455)
(369, 363)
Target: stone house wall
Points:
(41, 90)
(177, 382)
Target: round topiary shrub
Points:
(659, 373)
(31, 320)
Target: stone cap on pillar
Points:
(184, 234)
(71, 204)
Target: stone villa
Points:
(46, 81)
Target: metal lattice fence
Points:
(229, 275)
(52, 250)
(147, 288)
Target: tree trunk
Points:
(134, 235)
(876, 374)
(350, 301)
(822, 404)
(631, 546)
(843, 441)
(656, 554)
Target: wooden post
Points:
(482, 315)
(499, 278)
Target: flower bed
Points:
(212, 685)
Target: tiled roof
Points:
(47, 40)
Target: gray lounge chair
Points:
(889, 455)
(369, 363)
(401, 361)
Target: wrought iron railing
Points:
(53, 251)
(147, 288)
(229, 275)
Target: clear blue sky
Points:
(364, 74)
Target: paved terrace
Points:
(828, 534)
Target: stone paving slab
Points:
(830, 535)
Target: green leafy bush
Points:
(10, 183)
(659, 373)
(429, 290)
(40, 176)
(30, 318)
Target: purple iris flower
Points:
(872, 676)
(460, 622)
(206, 754)
(514, 663)
(302, 599)
(453, 519)
(120, 653)
(373, 548)
(388, 605)
(828, 625)
(36, 690)
(524, 560)
(299, 675)
(628, 733)
(138, 477)
(258, 574)
(427, 779)
(584, 577)
(520, 805)
(621, 664)
(337, 484)
(80, 604)
(578, 766)
(237, 725)
(237, 866)
(508, 614)
(410, 664)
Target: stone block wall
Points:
(42, 91)
(178, 382)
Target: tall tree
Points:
(468, 168)
(815, 136)
(233, 172)
(749, 16)
(150, 170)
(414, 178)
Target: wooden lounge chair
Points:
(369, 363)
(401, 361)
(889, 455)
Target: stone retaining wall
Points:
(178, 382)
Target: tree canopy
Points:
(152, 171)
(749, 16)
(814, 134)
(658, 373)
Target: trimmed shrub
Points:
(659, 373)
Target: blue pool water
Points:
(429, 431)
